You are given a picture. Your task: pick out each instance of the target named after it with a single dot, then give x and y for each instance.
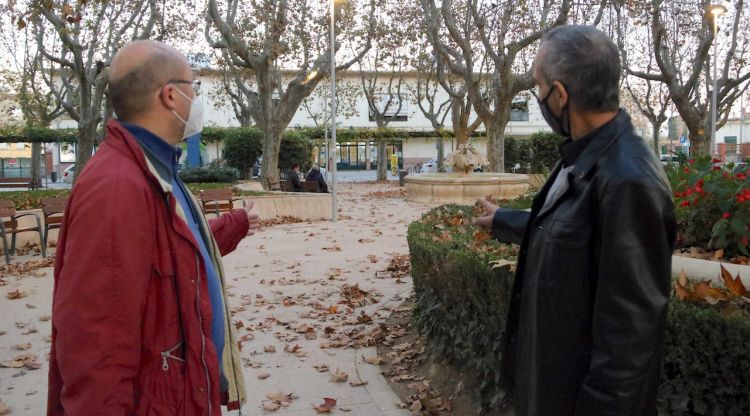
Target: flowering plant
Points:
(713, 205)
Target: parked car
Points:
(431, 167)
(669, 159)
(69, 174)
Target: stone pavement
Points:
(298, 292)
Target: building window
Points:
(519, 109)
(397, 107)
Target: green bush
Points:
(241, 147)
(211, 174)
(545, 150)
(24, 200)
(517, 151)
(296, 148)
(461, 300)
(462, 304)
(706, 370)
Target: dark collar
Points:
(155, 147)
(585, 154)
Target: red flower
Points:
(741, 176)
(698, 190)
(691, 161)
(723, 174)
(715, 160)
(740, 199)
(700, 182)
(717, 168)
(686, 170)
(685, 204)
(745, 241)
(688, 192)
(726, 215)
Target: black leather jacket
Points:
(588, 308)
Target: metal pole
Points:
(334, 205)
(742, 121)
(714, 144)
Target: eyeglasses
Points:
(196, 84)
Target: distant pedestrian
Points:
(589, 303)
(316, 176)
(293, 178)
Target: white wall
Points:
(732, 128)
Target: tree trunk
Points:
(269, 171)
(36, 166)
(382, 161)
(495, 148)
(440, 154)
(655, 136)
(368, 152)
(87, 136)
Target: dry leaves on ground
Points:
(277, 400)
(328, 404)
(703, 291)
(27, 267)
(339, 376)
(284, 219)
(16, 294)
(27, 360)
(4, 409)
(398, 268)
(394, 193)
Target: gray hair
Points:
(130, 94)
(586, 62)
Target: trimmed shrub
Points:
(211, 174)
(461, 299)
(241, 147)
(517, 151)
(463, 283)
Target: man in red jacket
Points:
(140, 321)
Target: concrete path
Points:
(306, 288)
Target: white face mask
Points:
(194, 123)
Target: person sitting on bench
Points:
(293, 178)
(316, 176)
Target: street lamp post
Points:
(715, 11)
(333, 155)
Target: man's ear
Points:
(167, 97)
(562, 93)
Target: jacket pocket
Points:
(170, 356)
(566, 253)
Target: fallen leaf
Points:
(269, 348)
(416, 406)
(4, 409)
(328, 404)
(271, 405)
(16, 294)
(734, 285)
(321, 368)
(718, 254)
(339, 376)
(357, 383)
(45, 318)
(22, 347)
(376, 360)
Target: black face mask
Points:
(560, 125)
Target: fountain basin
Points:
(459, 188)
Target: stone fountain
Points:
(464, 186)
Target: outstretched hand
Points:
(489, 213)
(252, 218)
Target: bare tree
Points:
(504, 32)
(426, 95)
(270, 36)
(682, 40)
(89, 34)
(650, 98)
(38, 104)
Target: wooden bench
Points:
(312, 186)
(18, 183)
(217, 201)
(54, 211)
(9, 225)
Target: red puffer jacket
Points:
(131, 313)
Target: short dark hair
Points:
(586, 61)
(130, 93)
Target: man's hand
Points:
(489, 213)
(253, 219)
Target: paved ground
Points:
(308, 288)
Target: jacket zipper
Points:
(203, 336)
(166, 355)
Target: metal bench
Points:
(54, 211)
(9, 225)
(216, 201)
(18, 183)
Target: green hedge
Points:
(210, 174)
(296, 148)
(461, 310)
(37, 135)
(241, 147)
(537, 154)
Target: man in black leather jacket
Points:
(589, 302)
